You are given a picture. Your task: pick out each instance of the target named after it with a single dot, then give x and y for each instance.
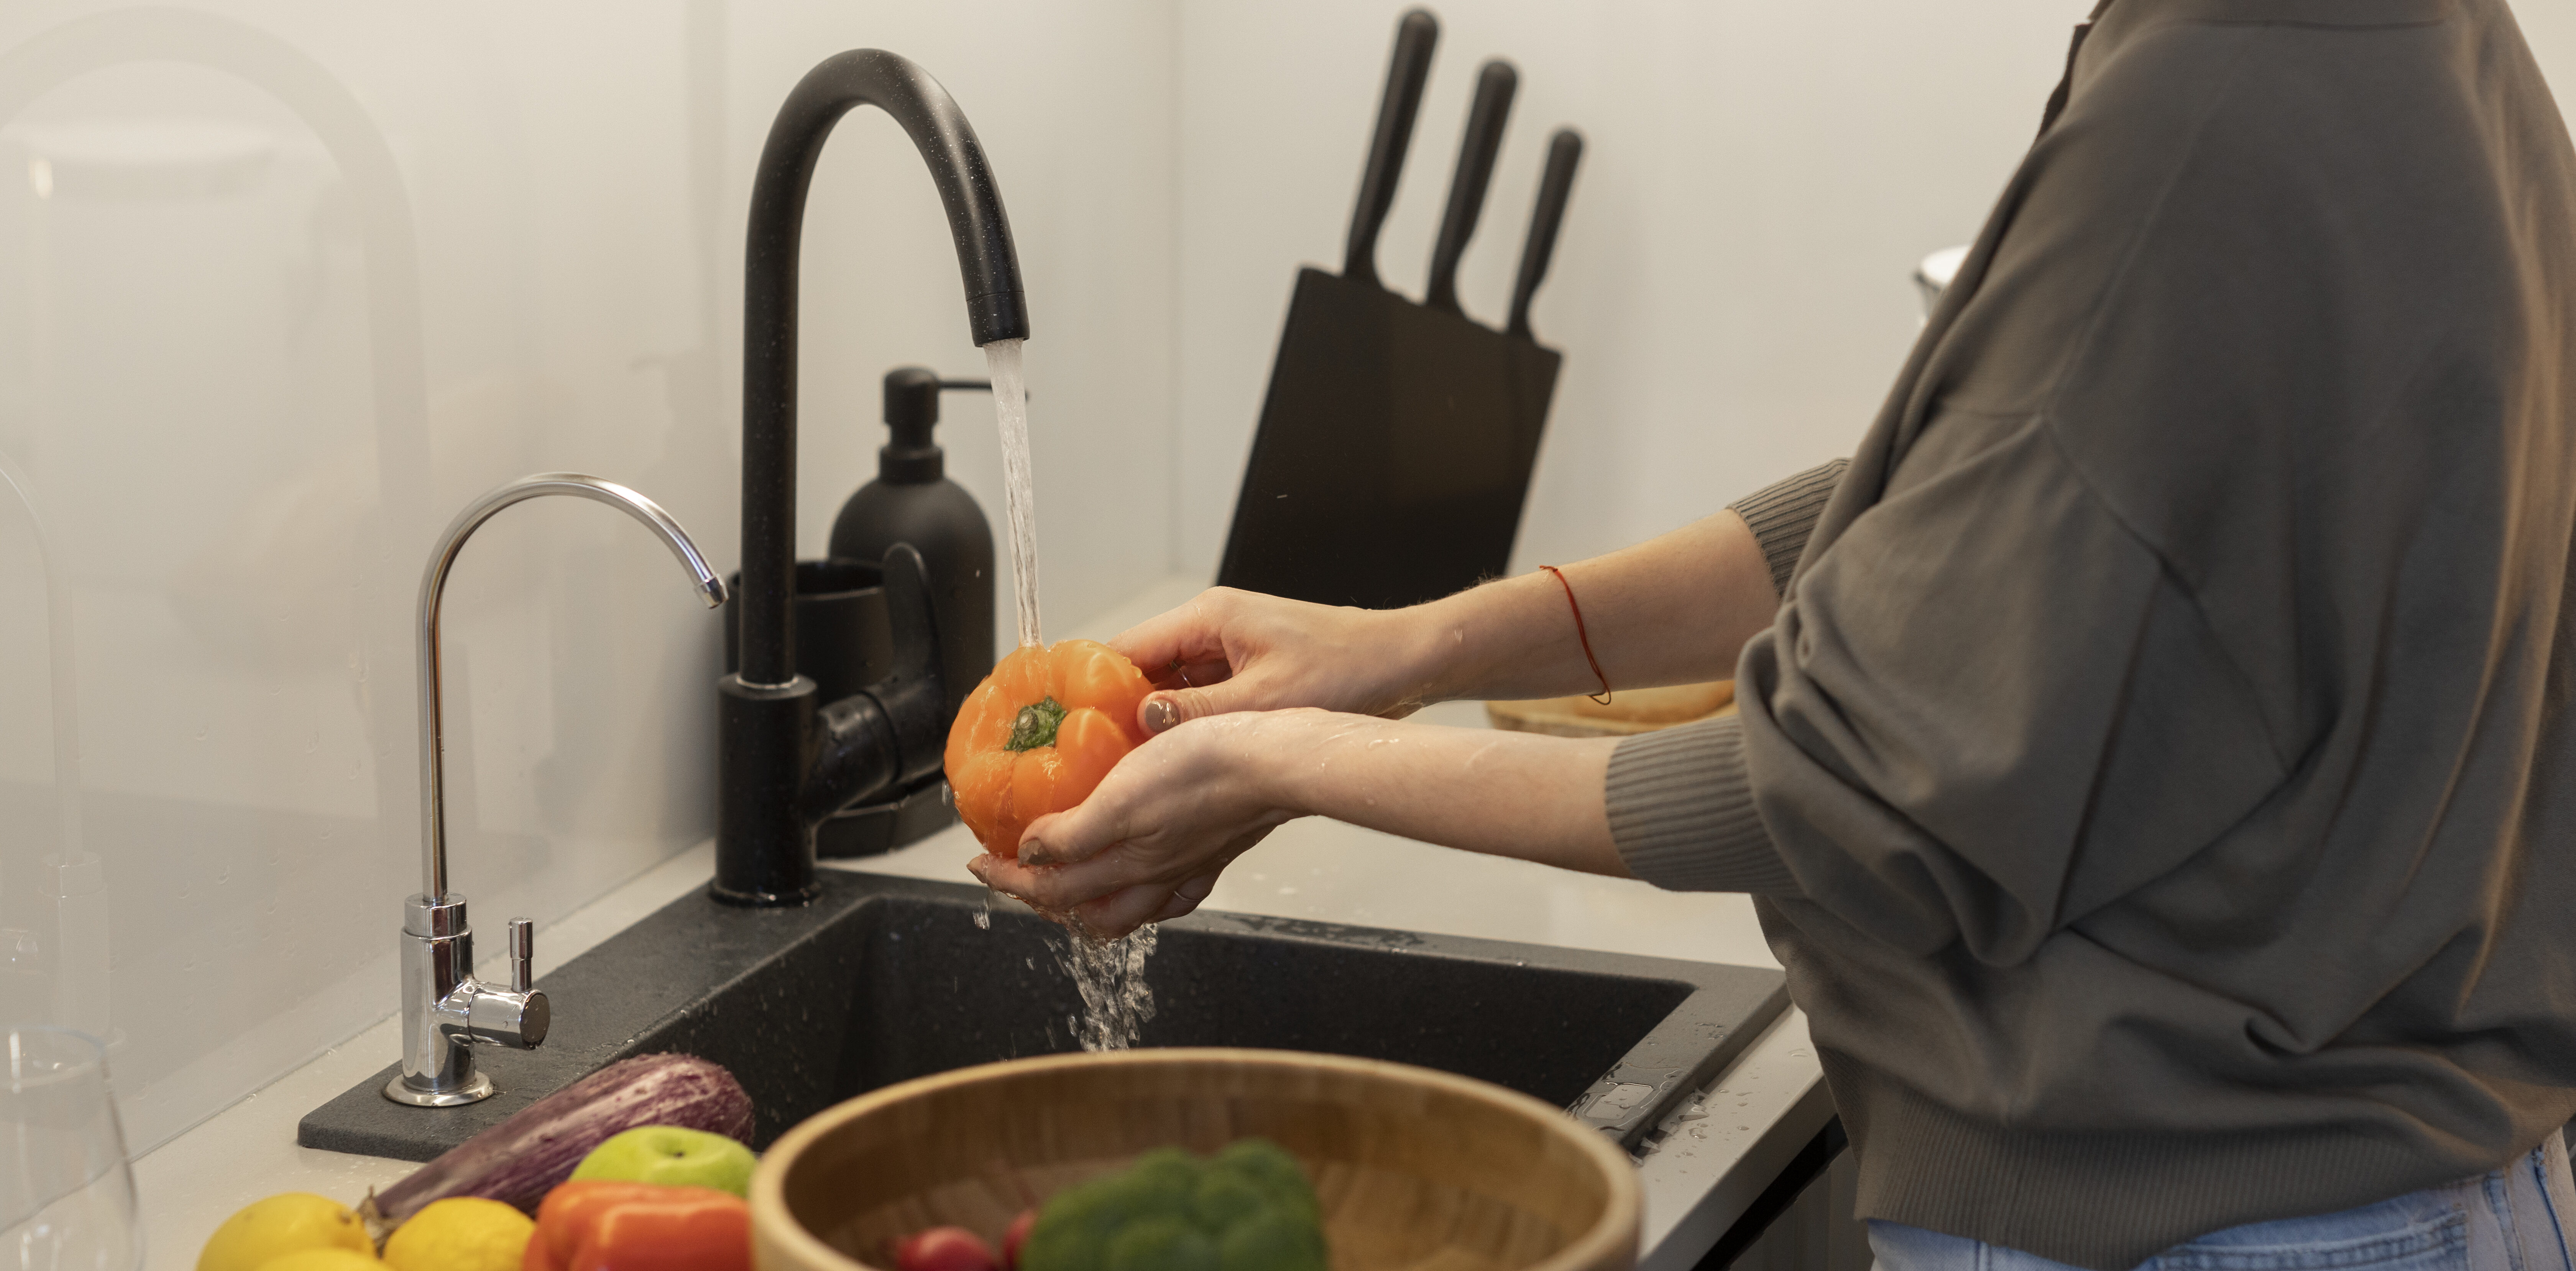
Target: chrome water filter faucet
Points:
(446, 1012)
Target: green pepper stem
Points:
(1035, 726)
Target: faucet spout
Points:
(788, 758)
(996, 307)
(446, 1011)
(433, 585)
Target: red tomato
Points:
(1017, 1235)
(944, 1249)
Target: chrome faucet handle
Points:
(517, 1019)
(447, 1012)
(520, 1016)
(523, 955)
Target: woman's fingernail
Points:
(1160, 714)
(1034, 854)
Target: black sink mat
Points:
(783, 998)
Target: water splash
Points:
(1011, 408)
(1110, 976)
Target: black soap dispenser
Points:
(913, 501)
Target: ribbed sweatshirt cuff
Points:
(1784, 513)
(1681, 812)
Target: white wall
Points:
(282, 284)
(1730, 290)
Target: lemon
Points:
(460, 1233)
(324, 1260)
(290, 1222)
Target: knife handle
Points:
(1415, 35)
(1495, 85)
(1564, 150)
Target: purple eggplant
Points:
(518, 1161)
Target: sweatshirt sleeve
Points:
(1784, 513)
(1681, 809)
(1681, 812)
(1988, 707)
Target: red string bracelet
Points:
(1580, 634)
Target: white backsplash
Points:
(283, 285)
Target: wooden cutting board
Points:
(1630, 711)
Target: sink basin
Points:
(884, 979)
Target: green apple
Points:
(672, 1156)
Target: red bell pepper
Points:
(597, 1225)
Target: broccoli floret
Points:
(1274, 1240)
(1248, 1208)
(1225, 1197)
(1269, 1167)
(1164, 1180)
(1160, 1242)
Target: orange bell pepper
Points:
(597, 1225)
(1038, 735)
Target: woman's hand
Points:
(1149, 842)
(1672, 610)
(1229, 650)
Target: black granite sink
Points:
(886, 979)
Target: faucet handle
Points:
(914, 695)
(523, 958)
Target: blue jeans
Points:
(2518, 1218)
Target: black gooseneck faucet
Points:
(789, 760)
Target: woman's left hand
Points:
(1148, 844)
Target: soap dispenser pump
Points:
(913, 501)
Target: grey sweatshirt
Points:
(2160, 780)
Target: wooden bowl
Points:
(1415, 1169)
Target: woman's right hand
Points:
(1229, 650)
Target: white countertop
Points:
(1734, 1141)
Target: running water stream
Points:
(1109, 974)
(1011, 407)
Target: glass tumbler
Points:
(66, 1193)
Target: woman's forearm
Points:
(1672, 610)
(1501, 793)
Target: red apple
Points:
(1016, 1236)
(944, 1249)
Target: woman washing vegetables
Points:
(2157, 757)
(1298, 722)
